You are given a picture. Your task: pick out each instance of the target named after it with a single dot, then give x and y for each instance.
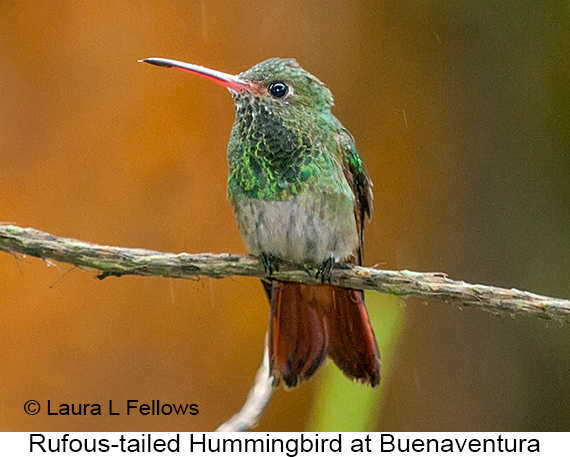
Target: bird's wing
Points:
(359, 181)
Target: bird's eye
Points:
(278, 89)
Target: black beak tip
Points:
(157, 62)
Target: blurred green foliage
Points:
(342, 405)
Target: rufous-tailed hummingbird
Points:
(300, 193)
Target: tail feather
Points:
(310, 322)
(298, 334)
(353, 344)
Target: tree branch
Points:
(257, 398)
(118, 261)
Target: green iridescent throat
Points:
(273, 155)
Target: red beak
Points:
(223, 79)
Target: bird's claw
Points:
(270, 263)
(325, 270)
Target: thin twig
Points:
(118, 261)
(257, 398)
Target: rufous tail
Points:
(310, 322)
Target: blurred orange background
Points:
(461, 112)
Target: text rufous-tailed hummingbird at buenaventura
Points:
(300, 193)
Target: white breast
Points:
(304, 229)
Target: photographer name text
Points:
(113, 408)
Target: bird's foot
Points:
(325, 270)
(270, 263)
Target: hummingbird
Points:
(300, 193)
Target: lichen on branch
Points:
(120, 261)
